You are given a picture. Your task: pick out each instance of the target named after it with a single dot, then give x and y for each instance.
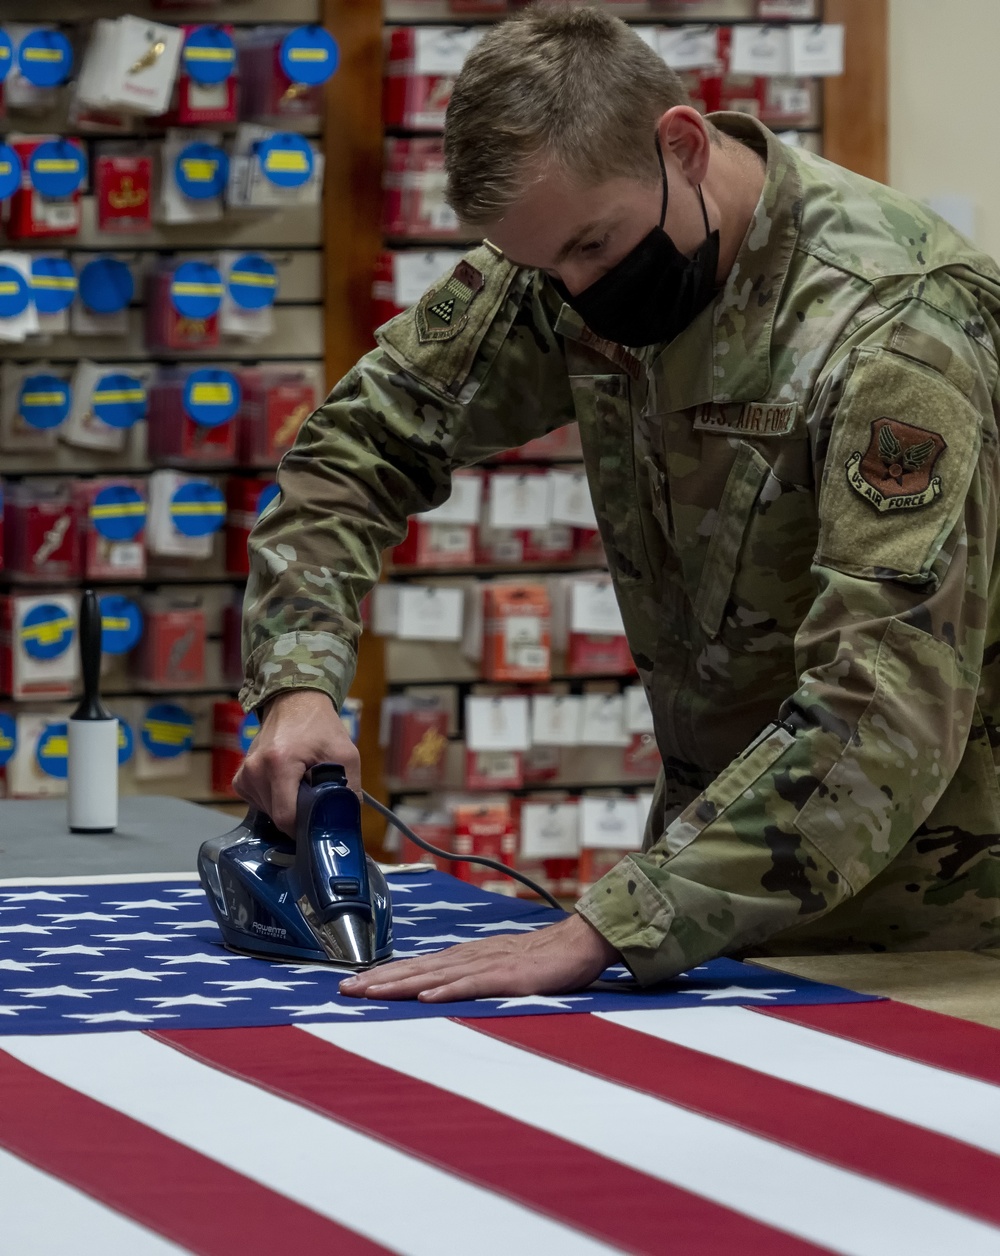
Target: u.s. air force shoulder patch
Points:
(896, 470)
(444, 310)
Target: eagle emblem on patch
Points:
(896, 471)
(441, 314)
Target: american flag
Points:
(789, 1122)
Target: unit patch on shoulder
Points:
(896, 470)
(443, 312)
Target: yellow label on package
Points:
(165, 734)
(211, 394)
(49, 632)
(199, 169)
(42, 399)
(289, 160)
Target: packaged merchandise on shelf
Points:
(208, 80)
(572, 504)
(602, 721)
(596, 642)
(445, 536)
(41, 65)
(641, 760)
(193, 172)
(192, 416)
(556, 719)
(122, 625)
(172, 650)
(41, 531)
(8, 745)
(497, 722)
(493, 769)
(485, 828)
(165, 740)
(609, 828)
(276, 401)
(107, 402)
(111, 512)
(233, 731)
(232, 656)
(550, 544)
(435, 824)
(418, 612)
(35, 400)
(48, 201)
(273, 170)
(18, 312)
(38, 653)
(283, 69)
(11, 171)
(417, 741)
(549, 848)
(421, 66)
(516, 632)
(53, 290)
(183, 299)
(413, 183)
(38, 766)
(184, 513)
(403, 276)
(123, 189)
(249, 291)
(246, 497)
(106, 287)
(129, 65)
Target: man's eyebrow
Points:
(566, 249)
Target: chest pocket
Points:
(604, 412)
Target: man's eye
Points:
(594, 246)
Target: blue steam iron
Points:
(319, 899)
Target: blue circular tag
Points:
(197, 508)
(106, 285)
(45, 58)
(119, 399)
(126, 741)
(53, 283)
(253, 282)
(121, 624)
(57, 168)
(268, 494)
(286, 159)
(249, 729)
(43, 401)
(52, 752)
(46, 631)
(309, 55)
(6, 55)
(196, 290)
(167, 730)
(118, 512)
(209, 55)
(10, 171)
(14, 292)
(201, 170)
(211, 396)
(8, 737)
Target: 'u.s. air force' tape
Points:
(118, 512)
(119, 399)
(196, 290)
(52, 751)
(8, 737)
(53, 283)
(209, 55)
(57, 168)
(167, 730)
(46, 631)
(43, 401)
(309, 55)
(126, 741)
(201, 170)
(14, 292)
(211, 396)
(197, 508)
(252, 282)
(121, 624)
(10, 170)
(45, 58)
(286, 159)
(106, 285)
(249, 729)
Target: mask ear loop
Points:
(704, 211)
(663, 203)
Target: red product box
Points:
(199, 104)
(275, 404)
(229, 729)
(167, 329)
(32, 216)
(123, 192)
(541, 764)
(111, 514)
(384, 299)
(587, 545)
(409, 99)
(741, 93)
(552, 544)
(494, 769)
(593, 864)
(38, 645)
(485, 829)
(436, 545)
(413, 181)
(642, 756)
(590, 654)
(516, 632)
(172, 652)
(418, 747)
(175, 438)
(433, 828)
(232, 648)
(266, 90)
(41, 532)
(244, 503)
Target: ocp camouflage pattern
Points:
(824, 673)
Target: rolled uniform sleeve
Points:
(888, 661)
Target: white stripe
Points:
(783, 1188)
(42, 1216)
(102, 878)
(391, 1197)
(960, 1107)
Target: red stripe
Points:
(929, 1037)
(632, 1210)
(168, 1188)
(866, 1142)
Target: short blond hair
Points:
(571, 86)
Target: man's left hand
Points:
(554, 960)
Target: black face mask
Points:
(654, 292)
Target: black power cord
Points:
(405, 829)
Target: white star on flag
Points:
(185, 924)
(198, 893)
(54, 992)
(736, 992)
(451, 906)
(39, 896)
(193, 1000)
(81, 915)
(513, 925)
(78, 949)
(405, 889)
(410, 920)
(32, 928)
(441, 937)
(129, 974)
(333, 1009)
(148, 902)
(140, 937)
(537, 1000)
(14, 966)
(260, 983)
(170, 960)
(12, 1009)
(102, 1018)
(334, 970)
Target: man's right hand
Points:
(299, 728)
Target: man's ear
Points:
(683, 133)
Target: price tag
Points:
(286, 159)
(550, 830)
(571, 500)
(428, 612)
(603, 720)
(196, 290)
(763, 50)
(594, 609)
(464, 504)
(253, 282)
(414, 273)
(44, 401)
(211, 396)
(638, 716)
(118, 512)
(609, 824)
(201, 170)
(209, 55)
(53, 283)
(556, 719)
(45, 58)
(443, 49)
(119, 399)
(520, 501)
(689, 47)
(309, 55)
(198, 508)
(817, 50)
(57, 168)
(497, 723)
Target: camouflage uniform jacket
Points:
(798, 501)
